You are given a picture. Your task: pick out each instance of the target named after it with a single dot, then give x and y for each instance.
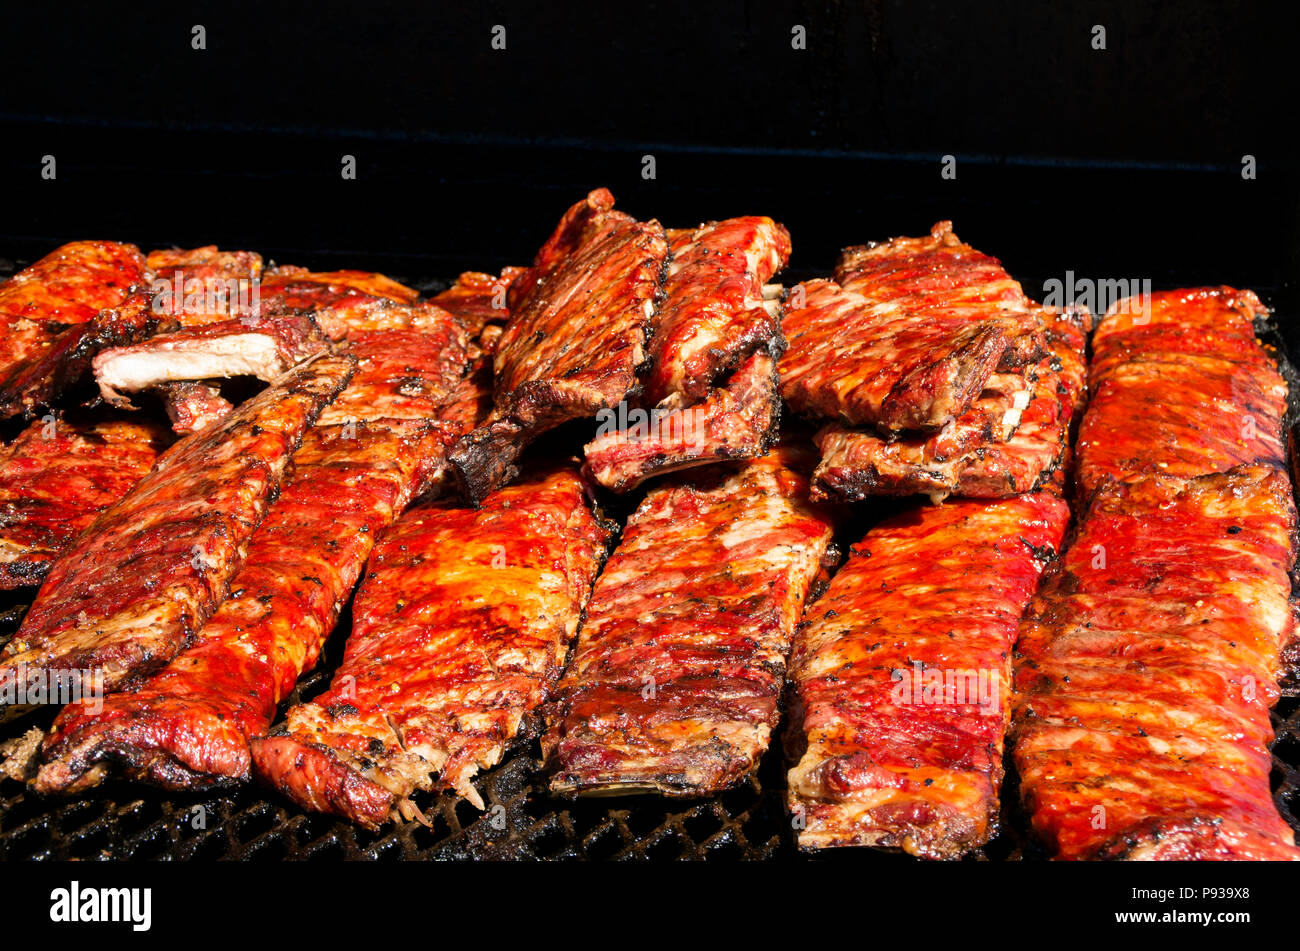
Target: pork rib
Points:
(1013, 438)
(204, 285)
(902, 676)
(478, 299)
(56, 477)
(676, 681)
(576, 336)
(1146, 668)
(192, 406)
(715, 321)
(358, 468)
(55, 314)
(264, 347)
(908, 336)
(1180, 386)
(139, 582)
(461, 626)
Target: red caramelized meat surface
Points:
(908, 336)
(1180, 386)
(55, 314)
(676, 681)
(460, 628)
(201, 285)
(59, 474)
(902, 676)
(136, 586)
(1146, 668)
(579, 320)
(1013, 439)
(478, 299)
(368, 455)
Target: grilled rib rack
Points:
(124, 821)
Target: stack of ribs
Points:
(934, 371)
(619, 319)
(460, 628)
(1148, 662)
(676, 680)
(58, 313)
(711, 392)
(375, 447)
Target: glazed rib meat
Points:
(1013, 438)
(1180, 386)
(188, 726)
(264, 347)
(576, 337)
(714, 321)
(56, 477)
(907, 338)
(192, 406)
(738, 420)
(202, 285)
(137, 585)
(55, 314)
(1146, 668)
(461, 626)
(478, 299)
(902, 676)
(676, 681)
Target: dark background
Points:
(1122, 163)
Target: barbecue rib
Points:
(192, 406)
(56, 477)
(461, 625)
(137, 584)
(188, 726)
(264, 347)
(1146, 667)
(736, 421)
(676, 681)
(202, 285)
(1013, 438)
(1180, 386)
(575, 339)
(478, 299)
(902, 674)
(714, 320)
(908, 337)
(55, 314)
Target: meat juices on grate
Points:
(1180, 386)
(902, 676)
(676, 680)
(460, 628)
(908, 337)
(371, 451)
(57, 313)
(575, 339)
(136, 586)
(1146, 667)
(60, 473)
(715, 321)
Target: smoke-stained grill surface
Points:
(902, 676)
